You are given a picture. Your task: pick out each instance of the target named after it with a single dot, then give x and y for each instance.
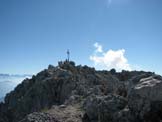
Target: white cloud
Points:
(110, 59)
(98, 47)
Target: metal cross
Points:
(68, 55)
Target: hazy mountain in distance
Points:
(15, 75)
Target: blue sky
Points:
(35, 33)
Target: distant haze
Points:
(9, 82)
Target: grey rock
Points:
(122, 89)
(109, 106)
(145, 99)
(39, 117)
(136, 79)
(103, 108)
(124, 115)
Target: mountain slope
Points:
(73, 85)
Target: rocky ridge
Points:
(69, 93)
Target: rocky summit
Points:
(69, 93)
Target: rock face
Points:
(54, 94)
(145, 99)
(143, 104)
(103, 108)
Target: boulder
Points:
(145, 99)
(136, 79)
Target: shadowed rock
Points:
(145, 99)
